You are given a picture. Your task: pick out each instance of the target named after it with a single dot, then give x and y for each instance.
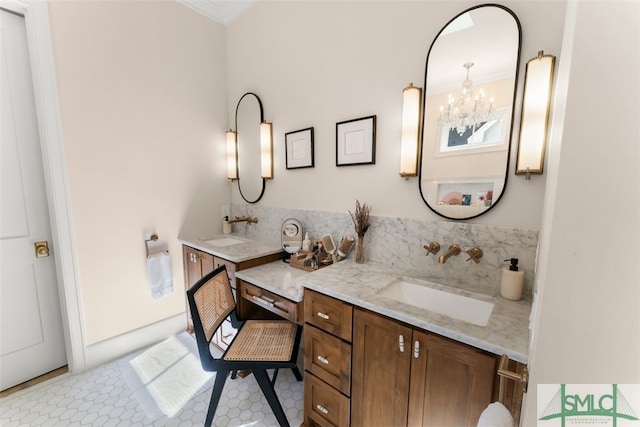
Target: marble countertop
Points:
(250, 249)
(277, 277)
(507, 331)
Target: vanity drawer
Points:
(324, 405)
(328, 358)
(269, 301)
(328, 314)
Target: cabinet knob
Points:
(323, 315)
(323, 360)
(401, 343)
(416, 349)
(322, 409)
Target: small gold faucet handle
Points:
(433, 248)
(475, 254)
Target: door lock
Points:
(42, 249)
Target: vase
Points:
(360, 250)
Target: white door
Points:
(31, 335)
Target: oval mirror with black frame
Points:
(471, 76)
(249, 115)
(291, 236)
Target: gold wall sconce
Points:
(232, 156)
(411, 112)
(536, 103)
(266, 150)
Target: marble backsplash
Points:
(398, 243)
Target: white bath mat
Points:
(165, 377)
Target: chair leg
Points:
(218, 385)
(275, 376)
(265, 384)
(296, 373)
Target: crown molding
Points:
(221, 11)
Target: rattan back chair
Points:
(258, 345)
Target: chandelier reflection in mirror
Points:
(467, 110)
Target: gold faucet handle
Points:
(433, 248)
(475, 254)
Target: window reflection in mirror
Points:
(491, 134)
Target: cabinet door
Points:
(196, 265)
(191, 268)
(451, 383)
(381, 366)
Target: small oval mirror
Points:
(291, 235)
(470, 81)
(249, 115)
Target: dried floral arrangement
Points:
(360, 218)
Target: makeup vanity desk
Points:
(203, 254)
(273, 287)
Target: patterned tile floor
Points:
(101, 397)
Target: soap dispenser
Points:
(226, 225)
(306, 243)
(512, 280)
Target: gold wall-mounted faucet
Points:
(247, 219)
(452, 251)
(474, 254)
(433, 248)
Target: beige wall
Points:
(588, 316)
(315, 63)
(142, 98)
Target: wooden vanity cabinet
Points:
(403, 376)
(327, 360)
(383, 372)
(197, 264)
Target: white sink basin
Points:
(474, 309)
(226, 241)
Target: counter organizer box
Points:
(299, 260)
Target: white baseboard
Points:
(116, 347)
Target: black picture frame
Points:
(356, 141)
(299, 149)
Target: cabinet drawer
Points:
(269, 301)
(324, 405)
(328, 358)
(328, 314)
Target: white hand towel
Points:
(159, 274)
(495, 415)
